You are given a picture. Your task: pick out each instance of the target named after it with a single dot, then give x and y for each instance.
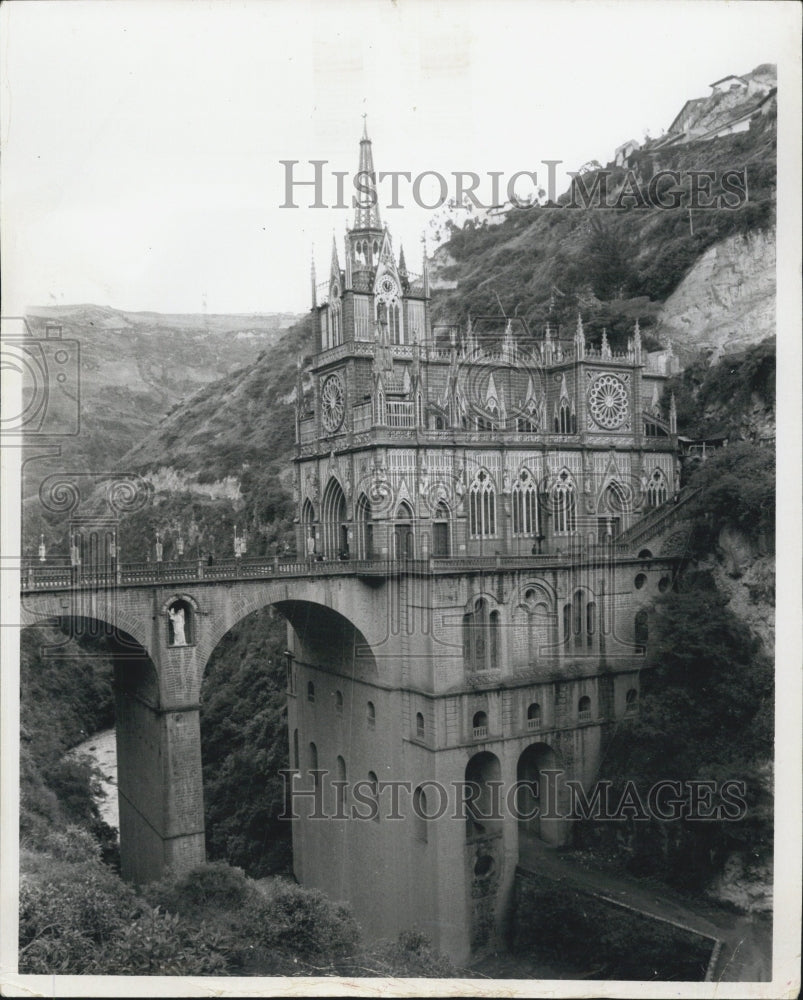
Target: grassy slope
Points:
(613, 265)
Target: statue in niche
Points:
(177, 618)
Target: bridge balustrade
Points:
(57, 575)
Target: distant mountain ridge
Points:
(136, 366)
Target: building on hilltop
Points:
(514, 486)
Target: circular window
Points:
(640, 580)
(663, 584)
(483, 866)
(333, 403)
(607, 401)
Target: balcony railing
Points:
(57, 574)
(479, 732)
(400, 414)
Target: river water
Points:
(102, 748)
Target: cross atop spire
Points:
(366, 214)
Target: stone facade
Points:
(499, 476)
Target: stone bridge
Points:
(398, 636)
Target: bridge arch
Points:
(100, 607)
(139, 721)
(541, 800)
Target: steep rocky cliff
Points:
(727, 299)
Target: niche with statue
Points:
(180, 614)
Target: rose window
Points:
(607, 401)
(333, 406)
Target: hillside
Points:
(544, 263)
(137, 366)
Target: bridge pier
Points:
(160, 787)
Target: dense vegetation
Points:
(706, 714)
(65, 695)
(546, 262)
(244, 745)
(720, 398)
(78, 917)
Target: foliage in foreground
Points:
(78, 917)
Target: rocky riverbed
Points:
(102, 748)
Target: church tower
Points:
(500, 495)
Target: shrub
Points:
(411, 955)
(161, 944)
(208, 888)
(74, 843)
(68, 911)
(303, 921)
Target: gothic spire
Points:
(366, 214)
(579, 339)
(313, 282)
(335, 261)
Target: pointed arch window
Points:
(482, 639)
(335, 318)
(564, 505)
(528, 421)
(370, 715)
(420, 731)
(525, 505)
(333, 509)
(394, 324)
(482, 506)
(365, 527)
(580, 620)
(563, 418)
(657, 492)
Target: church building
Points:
(507, 488)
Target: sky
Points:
(142, 141)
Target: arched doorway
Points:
(440, 530)
(403, 534)
(540, 802)
(333, 517)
